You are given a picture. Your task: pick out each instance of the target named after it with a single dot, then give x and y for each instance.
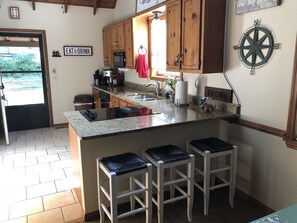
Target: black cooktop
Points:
(117, 112)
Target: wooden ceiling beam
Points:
(95, 6)
(33, 5)
(65, 5)
(110, 4)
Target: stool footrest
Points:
(175, 199)
(133, 212)
(219, 186)
(128, 193)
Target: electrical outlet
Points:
(54, 70)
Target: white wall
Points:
(267, 169)
(77, 27)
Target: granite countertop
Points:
(169, 115)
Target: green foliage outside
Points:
(20, 61)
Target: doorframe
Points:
(46, 65)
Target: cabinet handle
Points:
(177, 61)
(181, 59)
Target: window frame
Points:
(153, 75)
(290, 137)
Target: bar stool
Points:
(119, 167)
(211, 150)
(170, 157)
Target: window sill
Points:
(292, 144)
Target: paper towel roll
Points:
(181, 93)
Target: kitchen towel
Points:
(181, 93)
(141, 66)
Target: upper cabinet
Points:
(107, 47)
(117, 37)
(195, 35)
(128, 35)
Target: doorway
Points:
(24, 75)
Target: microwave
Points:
(119, 59)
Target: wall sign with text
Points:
(78, 51)
(244, 6)
(142, 5)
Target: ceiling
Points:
(109, 4)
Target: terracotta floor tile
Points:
(52, 216)
(39, 190)
(58, 200)
(4, 210)
(72, 212)
(66, 184)
(46, 176)
(58, 149)
(48, 158)
(36, 153)
(27, 207)
(17, 220)
(25, 162)
(61, 164)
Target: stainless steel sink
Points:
(142, 97)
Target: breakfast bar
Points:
(94, 139)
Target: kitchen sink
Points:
(142, 97)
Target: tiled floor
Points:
(36, 178)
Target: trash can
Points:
(83, 102)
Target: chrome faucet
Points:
(156, 85)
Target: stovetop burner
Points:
(117, 112)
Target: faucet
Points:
(156, 85)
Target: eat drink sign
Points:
(243, 6)
(142, 5)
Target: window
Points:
(291, 135)
(157, 49)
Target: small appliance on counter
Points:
(118, 78)
(181, 93)
(107, 77)
(97, 77)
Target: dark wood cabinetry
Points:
(195, 34)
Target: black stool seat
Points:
(212, 144)
(167, 153)
(123, 163)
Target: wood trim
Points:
(65, 6)
(33, 4)
(254, 202)
(43, 33)
(60, 125)
(261, 128)
(95, 7)
(292, 115)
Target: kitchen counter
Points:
(91, 140)
(169, 115)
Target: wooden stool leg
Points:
(233, 176)
(206, 181)
(100, 195)
(113, 198)
(148, 194)
(172, 177)
(132, 188)
(160, 193)
(190, 183)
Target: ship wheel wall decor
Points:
(256, 46)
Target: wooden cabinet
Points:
(117, 37)
(114, 101)
(128, 36)
(95, 93)
(119, 102)
(106, 33)
(195, 35)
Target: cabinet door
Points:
(191, 26)
(113, 37)
(107, 47)
(120, 36)
(122, 103)
(114, 102)
(129, 43)
(173, 19)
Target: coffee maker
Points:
(107, 77)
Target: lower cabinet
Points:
(95, 93)
(119, 102)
